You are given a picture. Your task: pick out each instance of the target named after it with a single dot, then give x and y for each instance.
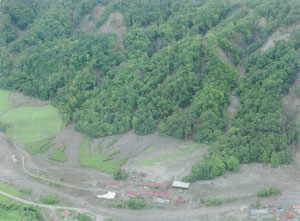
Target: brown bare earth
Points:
(87, 23)
(114, 24)
(281, 33)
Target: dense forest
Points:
(169, 65)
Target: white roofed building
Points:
(109, 195)
(180, 184)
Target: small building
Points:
(65, 213)
(289, 215)
(157, 185)
(115, 186)
(243, 208)
(131, 193)
(279, 209)
(109, 195)
(180, 184)
(161, 201)
(296, 208)
(259, 211)
(156, 193)
(180, 201)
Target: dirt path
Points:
(54, 181)
(52, 207)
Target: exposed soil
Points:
(262, 22)
(282, 33)
(225, 57)
(87, 23)
(114, 24)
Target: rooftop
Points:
(109, 195)
(157, 185)
(181, 184)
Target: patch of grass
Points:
(9, 215)
(176, 154)
(217, 201)
(4, 198)
(58, 154)
(110, 155)
(31, 123)
(97, 160)
(136, 203)
(49, 199)
(39, 146)
(120, 174)
(83, 217)
(25, 191)
(55, 184)
(150, 149)
(118, 204)
(213, 202)
(9, 189)
(4, 127)
(268, 192)
(4, 100)
(111, 143)
(18, 211)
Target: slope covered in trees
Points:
(166, 74)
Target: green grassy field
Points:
(150, 149)
(9, 215)
(58, 154)
(4, 100)
(39, 146)
(9, 189)
(32, 123)
(176, 154)
(97, 160)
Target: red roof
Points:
(180, 201)
(296, 207)
(157, 185)
(65, 213)
(156, 193)
(289, 215)
(131, 193)
(115, 186)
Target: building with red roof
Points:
(131, 193)
(289, 215)
(157, 185)
(156, 193)
(65, 213)
(180, 201)
(296, 207)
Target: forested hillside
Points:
(166, 65)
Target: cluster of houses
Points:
(278, 213)
(158, 193)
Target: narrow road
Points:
(52, 207)
(52, 181)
